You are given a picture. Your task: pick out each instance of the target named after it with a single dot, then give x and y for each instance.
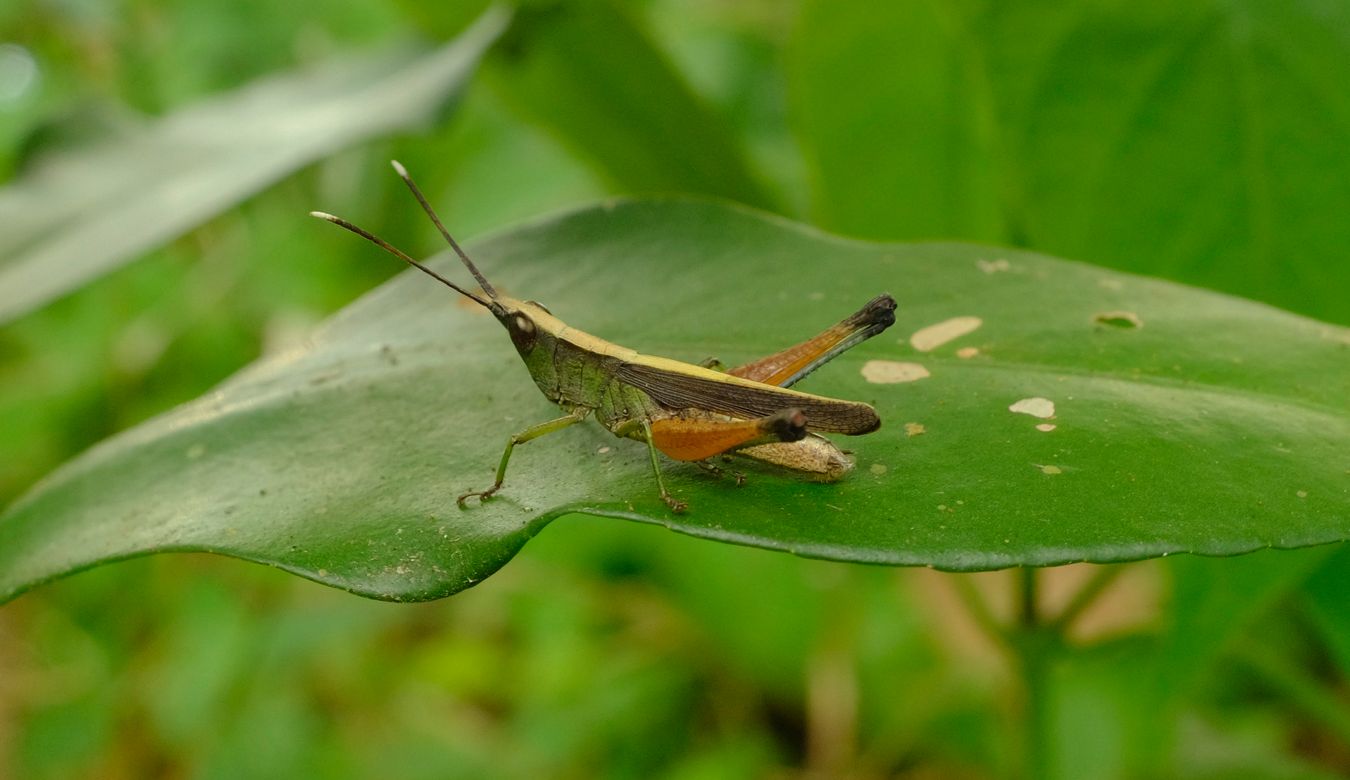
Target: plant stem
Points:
(1033, 645)
(979, 609)
(1102, 577)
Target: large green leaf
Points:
(1185, 421)
(1200, 141)
(83, 214)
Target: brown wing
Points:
(678, 390)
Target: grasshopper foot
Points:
(482, 495)
(676, 505)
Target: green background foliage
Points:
(1197, 141)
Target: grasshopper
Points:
(688, 412)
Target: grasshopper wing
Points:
(676, 385)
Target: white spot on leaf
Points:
(889, 372)
(1043, 408)
(993, 266)
(1045, 427)
(934, 336)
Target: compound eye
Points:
(522, 332)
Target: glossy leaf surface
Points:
(1183, 421)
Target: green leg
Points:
(677, 506)
(533, 432)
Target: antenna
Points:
(417, 193)
(400, 254)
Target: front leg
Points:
(533, 432)
(676, 505)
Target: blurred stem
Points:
(1102, 577)
(1033, 643)
(978, 609)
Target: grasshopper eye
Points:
(522, 332)
(539, 305)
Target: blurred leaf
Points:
(1328, 592)
(1205, 141)
(1213, 603)
(1218, 427)
(1200, 141)
(586, 71)
(79, 216)
(895, 119)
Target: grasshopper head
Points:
(529, 324)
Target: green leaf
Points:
(1213, 425)
(588, 72)
(84, 214)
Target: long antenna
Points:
(400, 254)
(417, 193)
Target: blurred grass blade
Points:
(1182, 420)
(81, 215)
(588, 73)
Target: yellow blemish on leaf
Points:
(966, 353)
(1043, 408)
(993, 266)
(934, 336)
(1045, 427)
(877, 468)
(915, 429)
(1051, 470)
(889, 372)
